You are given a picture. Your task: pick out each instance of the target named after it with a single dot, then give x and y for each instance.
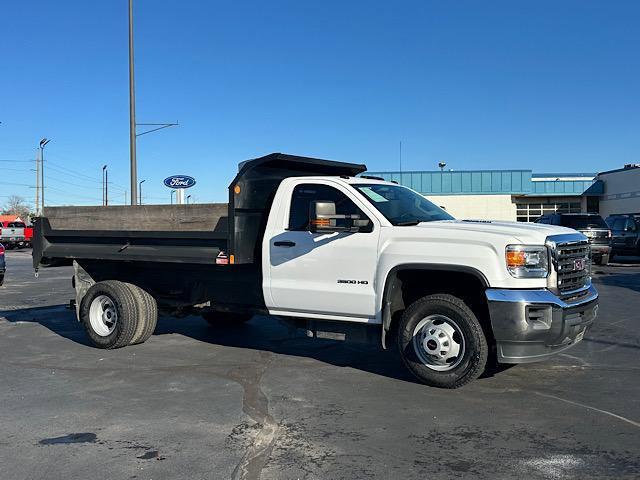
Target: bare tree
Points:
(17, 205)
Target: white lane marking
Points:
(611, 414)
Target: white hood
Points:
(527, 233)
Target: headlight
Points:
(527, 261)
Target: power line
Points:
(16, 184)
(71, 183)
(71, 194)
(81, 176)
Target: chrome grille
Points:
(567, 262)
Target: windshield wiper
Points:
(407, 224)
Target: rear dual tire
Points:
(115, 314)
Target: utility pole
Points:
(132, 113)
(43, 143)
(188, 197)
(125, 197)
(172, 192)
(400, 156)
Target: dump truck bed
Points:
(193, 234)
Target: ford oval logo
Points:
(180, 181)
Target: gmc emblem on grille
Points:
(578, 264)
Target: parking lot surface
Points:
(252, 401)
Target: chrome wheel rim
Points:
(438, 342)
(103, 315)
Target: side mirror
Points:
(323, 219)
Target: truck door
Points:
(323, 273)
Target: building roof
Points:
(631, 166)
(10, 218)
(495, 182)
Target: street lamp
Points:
(43, 143)
(172, 192)
(188, 197)
(442, 165)
(105, 186)
(140, 190)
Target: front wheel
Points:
(441, 341)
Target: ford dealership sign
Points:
(179, 181)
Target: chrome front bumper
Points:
(532, 325)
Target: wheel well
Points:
(405, 286)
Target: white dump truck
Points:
(321, 245)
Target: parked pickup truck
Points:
(338, 253)
(12, 234)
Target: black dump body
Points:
(171, 250)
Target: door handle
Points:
(285, 243)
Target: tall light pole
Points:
(132, 113)
(38, 184)
(140, 184)
(43, 143)
(188, 197)
(172, 192)
(105, 186)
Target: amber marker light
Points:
(516, 258)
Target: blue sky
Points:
(546, 85)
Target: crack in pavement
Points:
(256, 405)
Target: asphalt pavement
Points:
(199, 402)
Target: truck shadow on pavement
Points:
(262, 333)
(57, 318)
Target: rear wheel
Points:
(147, 314)
(109, 313)
(1, 279)
(441, 341)
(226, 318)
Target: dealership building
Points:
(522, 195)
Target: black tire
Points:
(1, 279)
(147, 314)
(126, 308)
(226, 318)
(468, 366)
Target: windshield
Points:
(400, 205)
(581, 222)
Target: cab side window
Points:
(630, 226)
(618, 224)
(304, 194)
